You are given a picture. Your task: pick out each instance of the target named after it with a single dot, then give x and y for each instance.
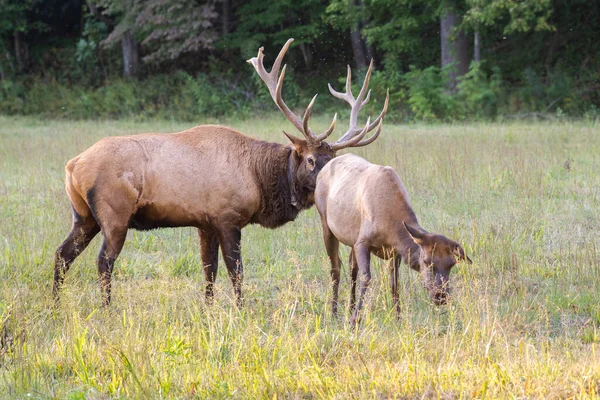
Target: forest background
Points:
(443, 60)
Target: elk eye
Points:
(311, 162)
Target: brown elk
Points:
(209, 177)
(366, 206)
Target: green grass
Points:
(524, 199)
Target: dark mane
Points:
(270, 162)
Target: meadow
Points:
(524, 320)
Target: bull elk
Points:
(210, 177)
(366, 206)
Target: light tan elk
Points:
(366, 206)
(209, 177)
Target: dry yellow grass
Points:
(524, 199)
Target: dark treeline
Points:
(441, 59)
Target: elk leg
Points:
(363, 258)
(81, 235)
(332, 245)
(111, 247)
(230, 248)
(209, 251)
(394, 267)
(353, 277)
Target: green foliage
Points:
(93, 33)
(405, 31)
(217, 96)
(427, 95)
(381, 83)
(262, 23)
(174, 27)
(11, 97)
(476, 94)
(160, 96)
(13, 16)
(515, 16)
(545, 49)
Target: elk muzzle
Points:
(436, 283)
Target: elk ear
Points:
(297, 142)
(460, 254)
(417, 235)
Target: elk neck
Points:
(291, 170)
(274, 170)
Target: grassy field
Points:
(523, 199)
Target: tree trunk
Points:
(477, 47)
(226, 17)
(131, 55)
(359, 48)
(306, 54)
(370, 51)
(21, 52)
(454, 46)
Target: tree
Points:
(173, 27)
(403, 32)
(266, 23)
(350, 15)
(124, 12)
(455, 56)
(166, 28)
(14, 25)
(509, 17)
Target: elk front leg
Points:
(394, 267)
(230, 248)
(81, 235)
(209, 251)
(363, 258)
(353, 277)
(114, 238)
(332, 246)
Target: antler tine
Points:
(281, 54)
(274, 82)
(350, 143)
(365, 85)
(366, 100)
(326, 134)
(372, 138)
(306, 117)
(343, 96)
(356, 104)
(383, 111)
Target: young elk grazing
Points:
(366, 206)
(209, 177)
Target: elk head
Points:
(437, 256)
(310, 154)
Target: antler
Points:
(274, 82)
(353, 135)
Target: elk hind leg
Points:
(84, 229)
